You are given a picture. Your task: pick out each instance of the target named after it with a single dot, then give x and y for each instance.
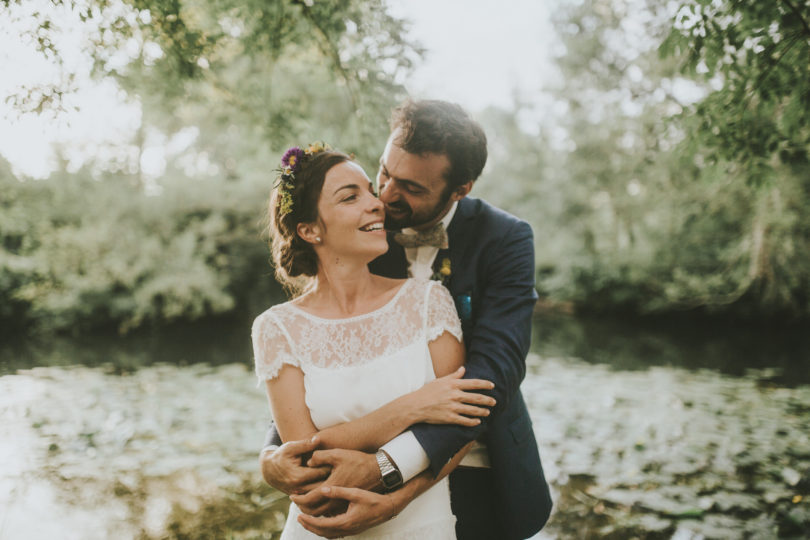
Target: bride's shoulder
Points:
(272, 315)
(430, 291)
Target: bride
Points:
(355, 358)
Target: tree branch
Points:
(798, 13)
(330, 50)
(769, 68)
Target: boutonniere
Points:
(444, 272)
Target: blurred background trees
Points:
(682, 185)
(671, 173)
(232, 84)
(751, 135)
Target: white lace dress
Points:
(356, 365)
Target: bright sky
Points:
(482, 52)
(479, 53)
(97, 124)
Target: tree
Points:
(265, 73)
(756, 53)
(108, 246)
(615, 169)
(755, 128)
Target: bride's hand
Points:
(448, 400)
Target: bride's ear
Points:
(309, 232)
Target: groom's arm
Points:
(498, 348)
(271, 438)
(499, 341)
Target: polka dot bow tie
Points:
(436, 236)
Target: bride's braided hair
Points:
(294, 200)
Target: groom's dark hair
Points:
(439, 127)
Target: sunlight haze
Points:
(477, 54)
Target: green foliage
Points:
(757, 53)
(640, 200)
(79, 253)
(270, 74)
(605, 211)
(653, 204)
(110, 245)
(254, 76)
(753, 129)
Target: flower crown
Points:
(291, 163)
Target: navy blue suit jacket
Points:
(492, 282)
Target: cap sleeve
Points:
(271, 346)
(441, 313)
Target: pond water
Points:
(778, 351)
(649, 430)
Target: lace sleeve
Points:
(271, 346)
(441, 313)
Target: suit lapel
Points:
(459, 240)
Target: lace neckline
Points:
(355, 317)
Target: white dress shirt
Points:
(420, 259)
(404, 450)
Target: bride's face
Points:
(350, 215)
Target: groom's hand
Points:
(349, 468)
(365, 510)
(283, 467)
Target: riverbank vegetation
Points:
(670, 173)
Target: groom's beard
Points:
(415, 219)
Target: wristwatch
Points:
(391, 477)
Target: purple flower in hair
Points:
(292, 159)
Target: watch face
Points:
(392, 479)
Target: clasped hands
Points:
(333, 488)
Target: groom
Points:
(485, 257)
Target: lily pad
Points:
(791, 476)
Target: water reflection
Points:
(214, 342)
(733, 349)
(781, 351)
(155, 435)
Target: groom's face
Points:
(413, 187)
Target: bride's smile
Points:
(350, 217)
